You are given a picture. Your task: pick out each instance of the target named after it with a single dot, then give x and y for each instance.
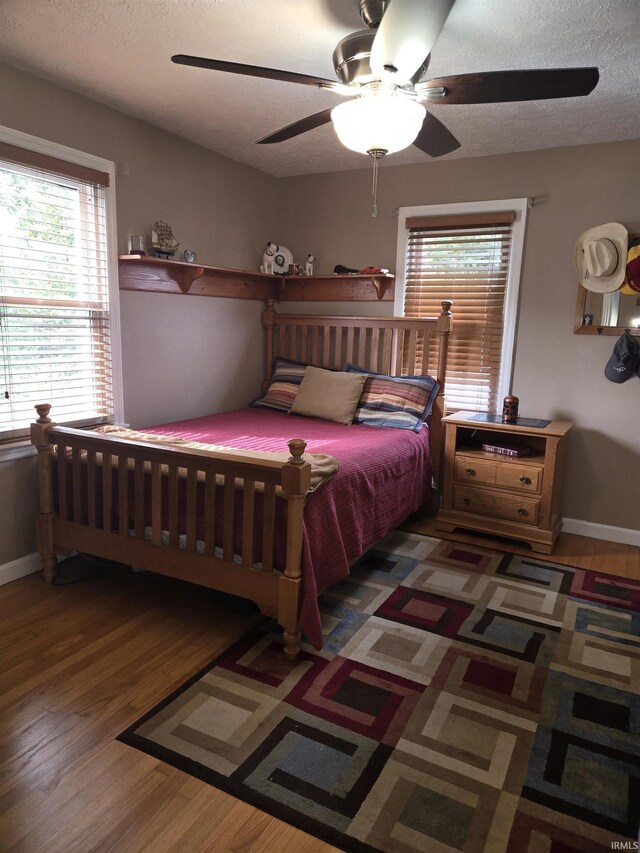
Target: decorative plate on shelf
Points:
(190, 256)
(282, 260)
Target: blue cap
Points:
(625, 359)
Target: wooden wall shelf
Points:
(165, 276)
(337, 288)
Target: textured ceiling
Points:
(118, 52)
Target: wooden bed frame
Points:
(80, 515)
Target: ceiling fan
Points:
(380, 69)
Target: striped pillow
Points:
(285, 382)
(402, 402)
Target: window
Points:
(471, 255)
(57, 339)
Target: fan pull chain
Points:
(374, 209)
(375, 154)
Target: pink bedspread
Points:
(384, 475)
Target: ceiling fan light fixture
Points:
(382, 123)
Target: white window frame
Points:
(22, 447)
(520, 208)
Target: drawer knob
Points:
(469, 471)
(522, 510)
(524, 479)
(466, 501)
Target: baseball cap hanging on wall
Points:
(625, 359)
(601, 257)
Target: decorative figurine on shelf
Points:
(510, 409)
(267, 258)
(162, 239)
(276, 259)
(308, 267)
(136, 245)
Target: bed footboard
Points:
(211, 518)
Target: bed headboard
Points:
(393, 345)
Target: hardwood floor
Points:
(80, 663)
(570, 549)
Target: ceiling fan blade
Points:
(255, 71)
(407, 32)
(434, 138)
(492, 87)
(298, 127)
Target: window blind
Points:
(464, 259)
(55, 339)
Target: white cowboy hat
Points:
(601, 257)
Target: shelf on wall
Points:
(337, 288)
(166, 276)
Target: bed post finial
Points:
(297, 447)
(43, 410)
(446, 307)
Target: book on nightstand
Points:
(506, 448)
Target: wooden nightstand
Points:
(517, 497)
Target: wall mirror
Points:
(607, 313)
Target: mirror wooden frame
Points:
(579, 327)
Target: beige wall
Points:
(18, 504)
(182, 356)
(557, 374)
(214, 366)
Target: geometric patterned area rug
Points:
(464, 700)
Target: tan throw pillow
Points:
(328, 394)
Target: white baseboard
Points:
(19, 568)
(623, 535)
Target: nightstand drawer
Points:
(524, 510)
(498, 472)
